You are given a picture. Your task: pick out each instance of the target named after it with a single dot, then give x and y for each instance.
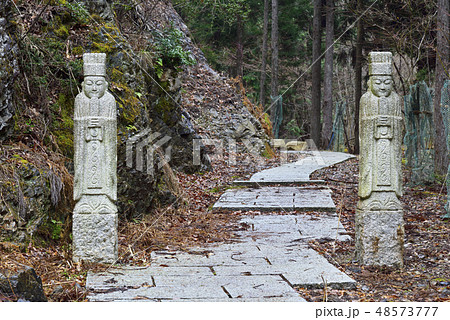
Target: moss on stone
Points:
(165, 108)
(106, 38)
(62, 32)
(78, 51)
(268, 151)
(62, 126)
(116, 75)
(128, 102)
(102, 47)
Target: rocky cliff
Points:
(8, 68)
(167, 96)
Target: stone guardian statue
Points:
(95, 216)
(379, 215)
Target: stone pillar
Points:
(95, 218)
(379, 215)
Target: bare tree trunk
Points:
(274, 81)
(274, 112)
(262, 80)
(328, 76)
(239, 49)
(358, 74)
(316, 74)
(442, 72)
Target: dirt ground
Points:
(426, 273)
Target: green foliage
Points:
(268, 151)
(170, 51)
(213, 24)
(77, 9)
(78, 51)
(294, 23)
(128, 102)
(159, 67)
(224, 11)
(294, 128)
(423, 75)
(56, 229)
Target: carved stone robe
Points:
(380, 154)
(95, 142)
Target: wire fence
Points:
(445, 102)
(419, 134)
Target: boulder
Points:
(24, 285)
(297, 145)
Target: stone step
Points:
(276, 199)
(297, 172)
(261, 183)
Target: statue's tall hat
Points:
(94, 64)
(380, 63)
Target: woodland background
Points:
(208, 68)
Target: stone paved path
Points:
(271, 258)
(297, 172)
(284, 198)
(276, 199)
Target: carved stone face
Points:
(381, 86)
(94, 86)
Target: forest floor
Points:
(189, 223)
(426, 273)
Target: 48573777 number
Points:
(406, 311)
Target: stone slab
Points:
(244, 286)
(262, 286)
(311, 270)
(132, 277)
(276, 199)
(143, 298)
(187, 288)
(273, 246)
(302, 268)
(270, 257)
(262, 183)
(182, 259)
(190, 291)
(304, 227)
(297, 172)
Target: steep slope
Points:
(159, 88)
(215, 103)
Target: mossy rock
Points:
(24, 284)
(62, 124)
(62, 32)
